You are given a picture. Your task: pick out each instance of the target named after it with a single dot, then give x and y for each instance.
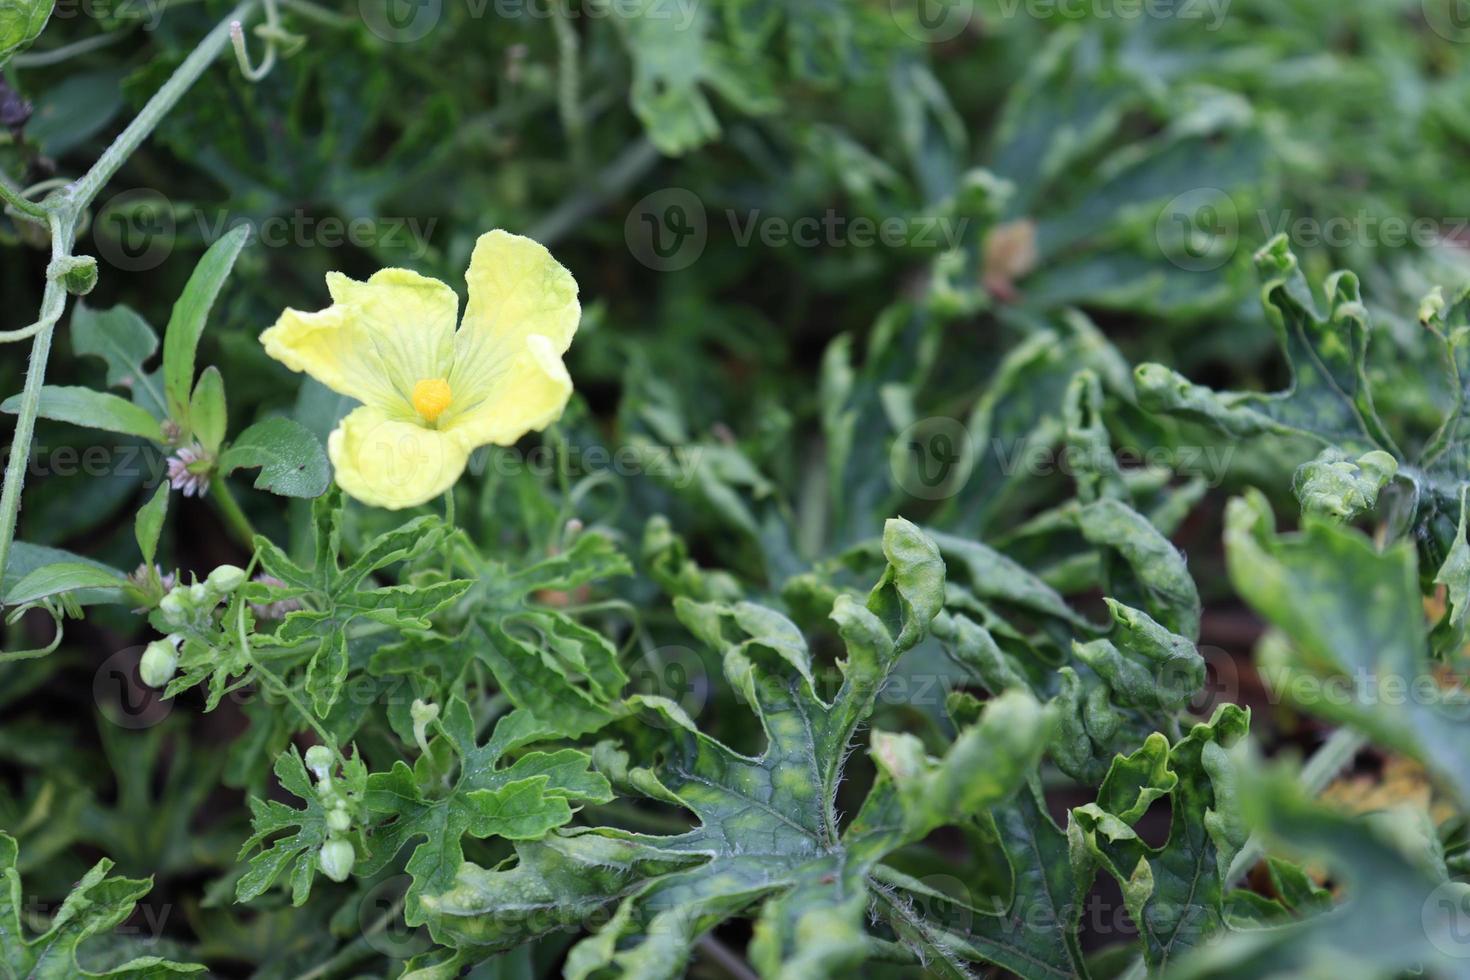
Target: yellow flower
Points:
(432, 394)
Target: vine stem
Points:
(282, 687)
(81, 194)
(52, 302)
(229, 509)
(63, 209)
(41, 59)
(19, 202)
(359, 949)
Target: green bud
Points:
(336, 859)
(225, 579)
(173, 608)
(198, 593)
(338, 820)
(77, 273)
(159, 662)
(423, 714)
(319, 760)
(1340, 489)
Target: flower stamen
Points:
(431, 397)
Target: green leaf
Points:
(97, 904)
(1336, 487)
(1145, 665)
(293, 854)
(148, 525)
(28, 559)
(1035, 934)
(995, 578)
(291, 460)
(1401, 912)
(92, 409)
(1350, 642)
(61, 578)
(1175, 891)
(1159, 578)
(674, 56)
(335, 595)
(1330, 397)
(21, 22)
(768, 842)
(207, 413)
(554, 668)
(522, 800)
(125, 342)
(186, 322)
(1454, 575)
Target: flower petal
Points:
(529, 394)
(387, 462)
(516, 291)
(376, 341)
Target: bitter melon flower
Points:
(432, 394)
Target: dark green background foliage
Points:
(999, 427)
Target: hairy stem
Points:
(229, 509)
(63, 210)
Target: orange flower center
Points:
(431, 397)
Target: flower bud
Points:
(78, 273)
(336, 859)
(198, 593)
(338, 820)
(225, 579)
(173, 607)
(159, 662)
(423, 714)
(319, 760)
